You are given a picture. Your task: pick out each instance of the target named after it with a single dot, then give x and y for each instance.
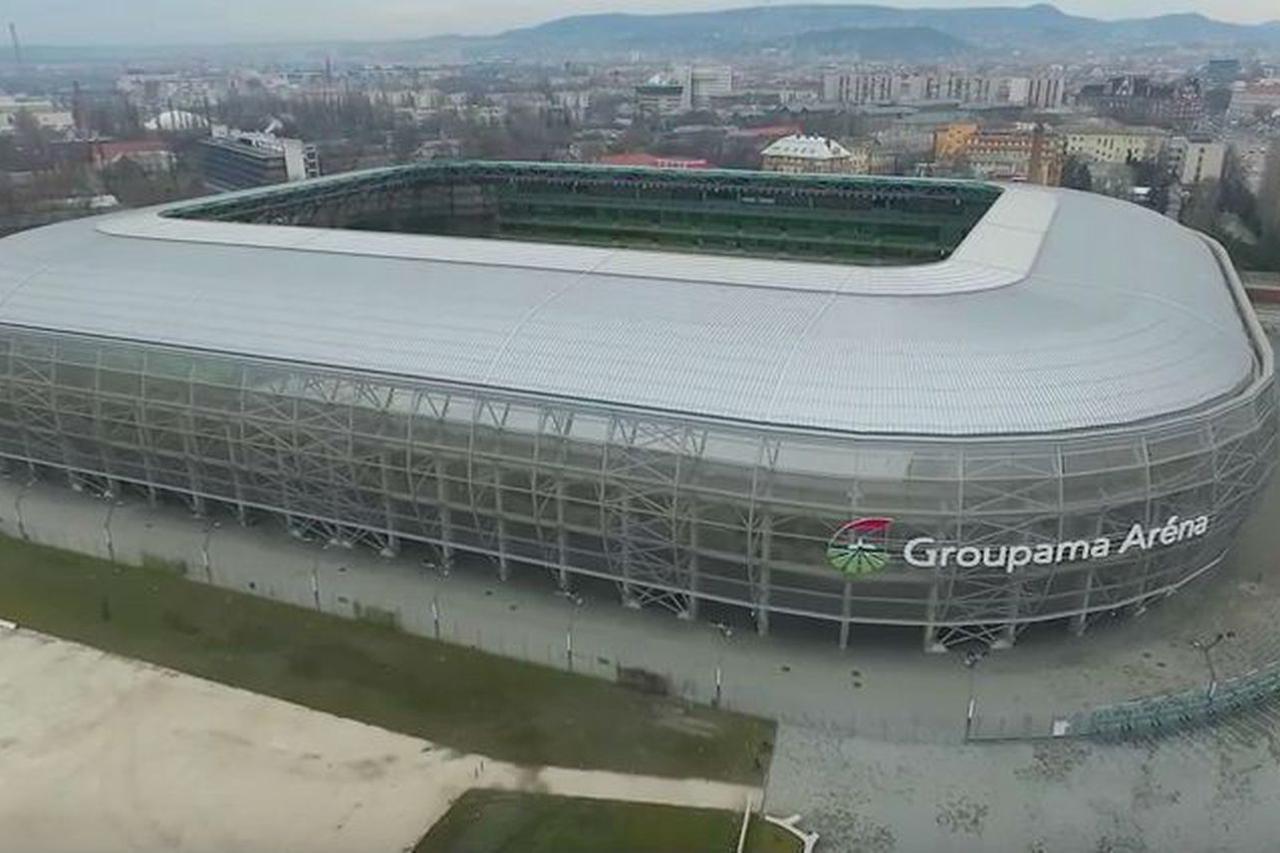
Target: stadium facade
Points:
(857, 402)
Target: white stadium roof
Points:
(1059, 311)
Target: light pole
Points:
(726, 634)
(315, 581)
(972, 657)
(575, 601)
(1205, 647)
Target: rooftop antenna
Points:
(17, 45)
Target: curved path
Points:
(108, 754)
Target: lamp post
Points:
(1205, 647)
(972, 657)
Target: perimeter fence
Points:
(1144, 718)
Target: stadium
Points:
(846, 403)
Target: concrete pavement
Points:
(101, 754)
(1204, 791)
(884, 689)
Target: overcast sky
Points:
(211, 21)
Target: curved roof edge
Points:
(1257, 335)
(999, 251)
(1125, 322)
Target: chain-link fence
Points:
(1147, 717)
(1186, 709)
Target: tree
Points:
(1201, 211)
(1156, 175)
(1236, 196)
(1076, 175)
(1158, 200)
(30, 138)
(404, 143)
(134, 186)
(832, 125)
(111, 116)
(1269, 196)
(1216, 101)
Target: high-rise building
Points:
(1197, 158)
(889, 87)
(659, 98)
(703, 83)
(1046, 93)
(852, 88)
(1140, 100)
(235, 160)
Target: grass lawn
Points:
(511, 822)
(454, 696)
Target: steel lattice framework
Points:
(684, 511)
(675, 511)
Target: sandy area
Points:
(100, 753)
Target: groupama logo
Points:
(860, 547)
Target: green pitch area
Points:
(510, 822)
(454, 696)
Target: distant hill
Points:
(721, 33)
(846, 31)
(1193, 29)
(905, 33)
(875, 44)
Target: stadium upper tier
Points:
(1006, 310)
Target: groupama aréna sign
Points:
(861, 547)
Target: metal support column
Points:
(446, 516)
(562, 535)
(691, 602)
(846, 607)
(1080, 621)
(504, 567)
(391, 547)
(762, 593)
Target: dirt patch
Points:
(963, 815)
(1053, 761)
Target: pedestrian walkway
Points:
(877, 688)
(103, 753)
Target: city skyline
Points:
(145, 22)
